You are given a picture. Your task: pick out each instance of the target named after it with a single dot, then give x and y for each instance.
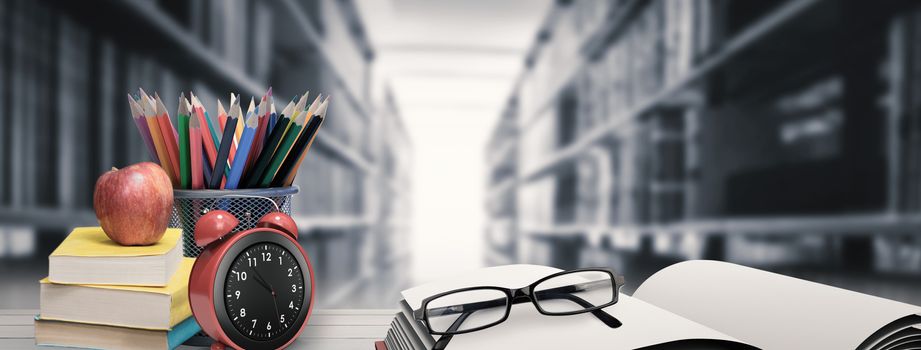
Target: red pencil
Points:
(260, 133)
(206, 139)
(169, 135)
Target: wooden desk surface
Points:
(326, 329)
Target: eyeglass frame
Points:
(516, 295)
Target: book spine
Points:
(42, 136)
(5, 113)
(74, 184)
(105, 107)
(18, 20)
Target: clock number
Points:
(266, 256)
(282, 320)
(241, 276)
(242, 312)
(252, 262)
(291, 304)
(268, 326)
(293, 288)
(290, 272)
(254, 323)
(237, 293)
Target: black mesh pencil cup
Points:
(247, 205)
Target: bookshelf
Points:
(349, 186)
(625, 141)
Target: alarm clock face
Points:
(265, 290)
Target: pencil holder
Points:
(247, 205)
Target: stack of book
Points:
(101, 295)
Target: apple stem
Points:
(114, 169)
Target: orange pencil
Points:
(221, 115)
(169, 134)
(153, 124)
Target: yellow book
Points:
(88, 256)
(123, 306)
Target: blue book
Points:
(92, 336)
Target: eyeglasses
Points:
(564, 293)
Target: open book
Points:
(689, 305)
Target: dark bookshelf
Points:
(89, 57)
(664, 89)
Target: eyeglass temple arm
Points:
(499, 302)
(605, 317)
(609, 320)
(445, 339)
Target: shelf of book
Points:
(220, 72)
(48, 218)
(313, 41)
(502, 187)
(648, 138)
(309, 224)
(56, 218)
(859, 224)
(673, 93)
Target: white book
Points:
(691, 305)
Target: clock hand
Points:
(270, 289)
(263, 282)
(275, 303)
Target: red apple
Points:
(133, 204)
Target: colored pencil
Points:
(273, 118)
(281, 152)
(262, 162)
(298, 109)
(206, 134)
(221, 116)
(256, 146)
(246, 142)
(213, 128)
(288, 169)
(185, 158)
(169, 138)
(195, 153)
(141, 122)
(223, 153)
(206, 170)
(153, 126)
(231, 149)
(236, 136)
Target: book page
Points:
(644, 325)
(769, 310)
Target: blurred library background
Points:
(784, 135)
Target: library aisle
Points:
(784, 135)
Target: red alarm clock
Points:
(252, 289)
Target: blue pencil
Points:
(218, 170)
(243, 147)
(273, 118)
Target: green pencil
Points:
(185, 168)
(293, 131)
